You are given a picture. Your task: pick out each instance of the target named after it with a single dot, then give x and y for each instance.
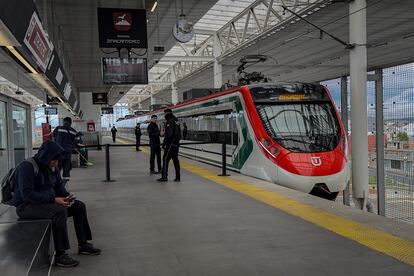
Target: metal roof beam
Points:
(187, 59)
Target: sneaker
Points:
(162, 179)
(177, 179)
(158, 172)
(152, 172)
(65, 260)
(89, 249)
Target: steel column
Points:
(344, 118)
(174, 90)
(379, 123)
(218, 69)
(358, 70)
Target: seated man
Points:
(42, 195)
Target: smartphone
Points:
(71, 198)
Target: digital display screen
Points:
(288, 92)
(124, 71)
(51, 111)
(107, 110)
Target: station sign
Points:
(51, 111)
(122, 28)
(99, 98)
(38, 43)
(56, 74)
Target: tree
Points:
(402, 136)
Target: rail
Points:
(108, 155)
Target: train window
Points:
(304, 127)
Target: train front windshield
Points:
(308, 127)
(299, 118)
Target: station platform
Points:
(236, 225)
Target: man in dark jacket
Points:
(154, 137)
(171, 143)
(114, 131)
(185, 131)
(43, 196)
(65, 136)
(138, 135)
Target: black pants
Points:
(155, 152)
(137, 142)
(65, 164)
(59, 214)
(113, 137)
(171, 152)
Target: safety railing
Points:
(107, 148)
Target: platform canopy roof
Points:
(296, 50)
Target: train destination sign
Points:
(288, 92)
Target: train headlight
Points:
(266, 143)
(274, 151)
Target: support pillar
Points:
(153, 100)
(358, 70)
(218, 68)
(344, 119)
(174, 90)
(379, 124)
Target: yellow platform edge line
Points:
(393, 246)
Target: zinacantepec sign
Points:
(122, 28)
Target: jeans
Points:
(59, 214)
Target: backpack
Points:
(8, 184)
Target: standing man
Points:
(114, 131)
(185, 131)
(170, 145)
(65, 137)
(138, 135)
(154, 137)
(40, 194)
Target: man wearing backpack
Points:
(39, 193)
(171, 145)
(65, 136)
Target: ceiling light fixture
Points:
(154, 6)
(21, 59)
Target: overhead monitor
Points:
(99, 98)
(51, 111)
(107, 110)
(118, 71)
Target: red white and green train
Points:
(286, 133)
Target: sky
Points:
(398, 85)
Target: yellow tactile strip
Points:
(398, 248)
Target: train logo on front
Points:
(316, 161)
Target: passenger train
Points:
(286, 133)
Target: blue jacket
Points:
(46, 185)
(65, 136)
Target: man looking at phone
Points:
(40, 194)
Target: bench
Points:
(24, 244)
